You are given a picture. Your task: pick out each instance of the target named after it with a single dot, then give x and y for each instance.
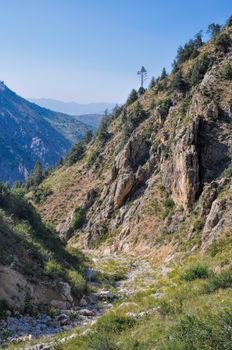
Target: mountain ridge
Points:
(30, 132)
(74, 108)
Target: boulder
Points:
(65, 229)
(214, 219)
(87, 312)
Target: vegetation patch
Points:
(78, 218)
(220, 280)
(196, 271)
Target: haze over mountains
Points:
(29, 132)
(73, 108)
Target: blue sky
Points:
(90, 50)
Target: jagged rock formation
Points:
(167, 175)
(181, 174)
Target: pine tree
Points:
(198, 40)
(152, 83)
(76, 153)
(175, 66)
(37, 175)
(163, 74)
(102, 134)
(132, 97)
(214, 29)
(229, 22)
(141, 91)
(88, 136)
(178, 82)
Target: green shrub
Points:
(198, 70)
(76, 153)
(195, 333)
(78, 282)
(78, 218)
(165, 307)
(184, 106)
(178, 83)
(93, 157)
(169, 205)
(164, 107)
(223, 42)
(28, 306)
(113, 323)
(53, 269)
(195, 272)
(227, 71)
(221, 280)
(102, 134)
(198, 225)
(170, 307)
(131, 120)
(101, 341)
(41, 193)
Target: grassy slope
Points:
(33, 248)
(193, 311)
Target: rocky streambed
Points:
(15, 329)
(19, 329)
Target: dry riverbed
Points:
(111, 279)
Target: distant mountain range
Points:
(73, 108)
(29, 132)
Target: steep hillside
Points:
(29, 132)
(37, 271)
(161, 167)
(150, 197)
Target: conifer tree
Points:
(214, 29)
(163, 74)
(132, 97)
(152, 83)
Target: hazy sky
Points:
(90, 50)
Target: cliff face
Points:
(171, 174)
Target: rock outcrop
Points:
(16, 290)
(164, 166)
(181, 173)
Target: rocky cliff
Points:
(164, 169)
